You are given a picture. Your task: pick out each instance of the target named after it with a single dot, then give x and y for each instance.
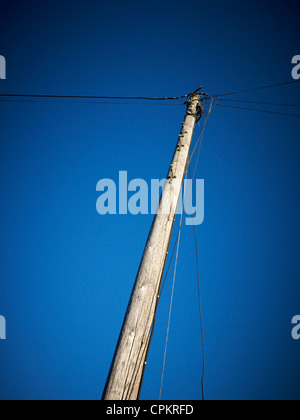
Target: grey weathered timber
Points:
(127, 367)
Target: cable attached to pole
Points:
(170, 311)
(143, 98)
(257, 88)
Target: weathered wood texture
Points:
(126, 371)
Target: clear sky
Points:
(66, 272)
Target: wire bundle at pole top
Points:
(221, 100)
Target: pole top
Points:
(196, 91)
(193, 95)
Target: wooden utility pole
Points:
(126, 372)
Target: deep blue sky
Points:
(67, 273)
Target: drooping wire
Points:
(200, 311)
(202, 130)
(176, 246)
(170, 311)
(200, 141)
(149, 338)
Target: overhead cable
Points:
(259, 110)
(259, 103)
(144, 98)
(257, 88)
